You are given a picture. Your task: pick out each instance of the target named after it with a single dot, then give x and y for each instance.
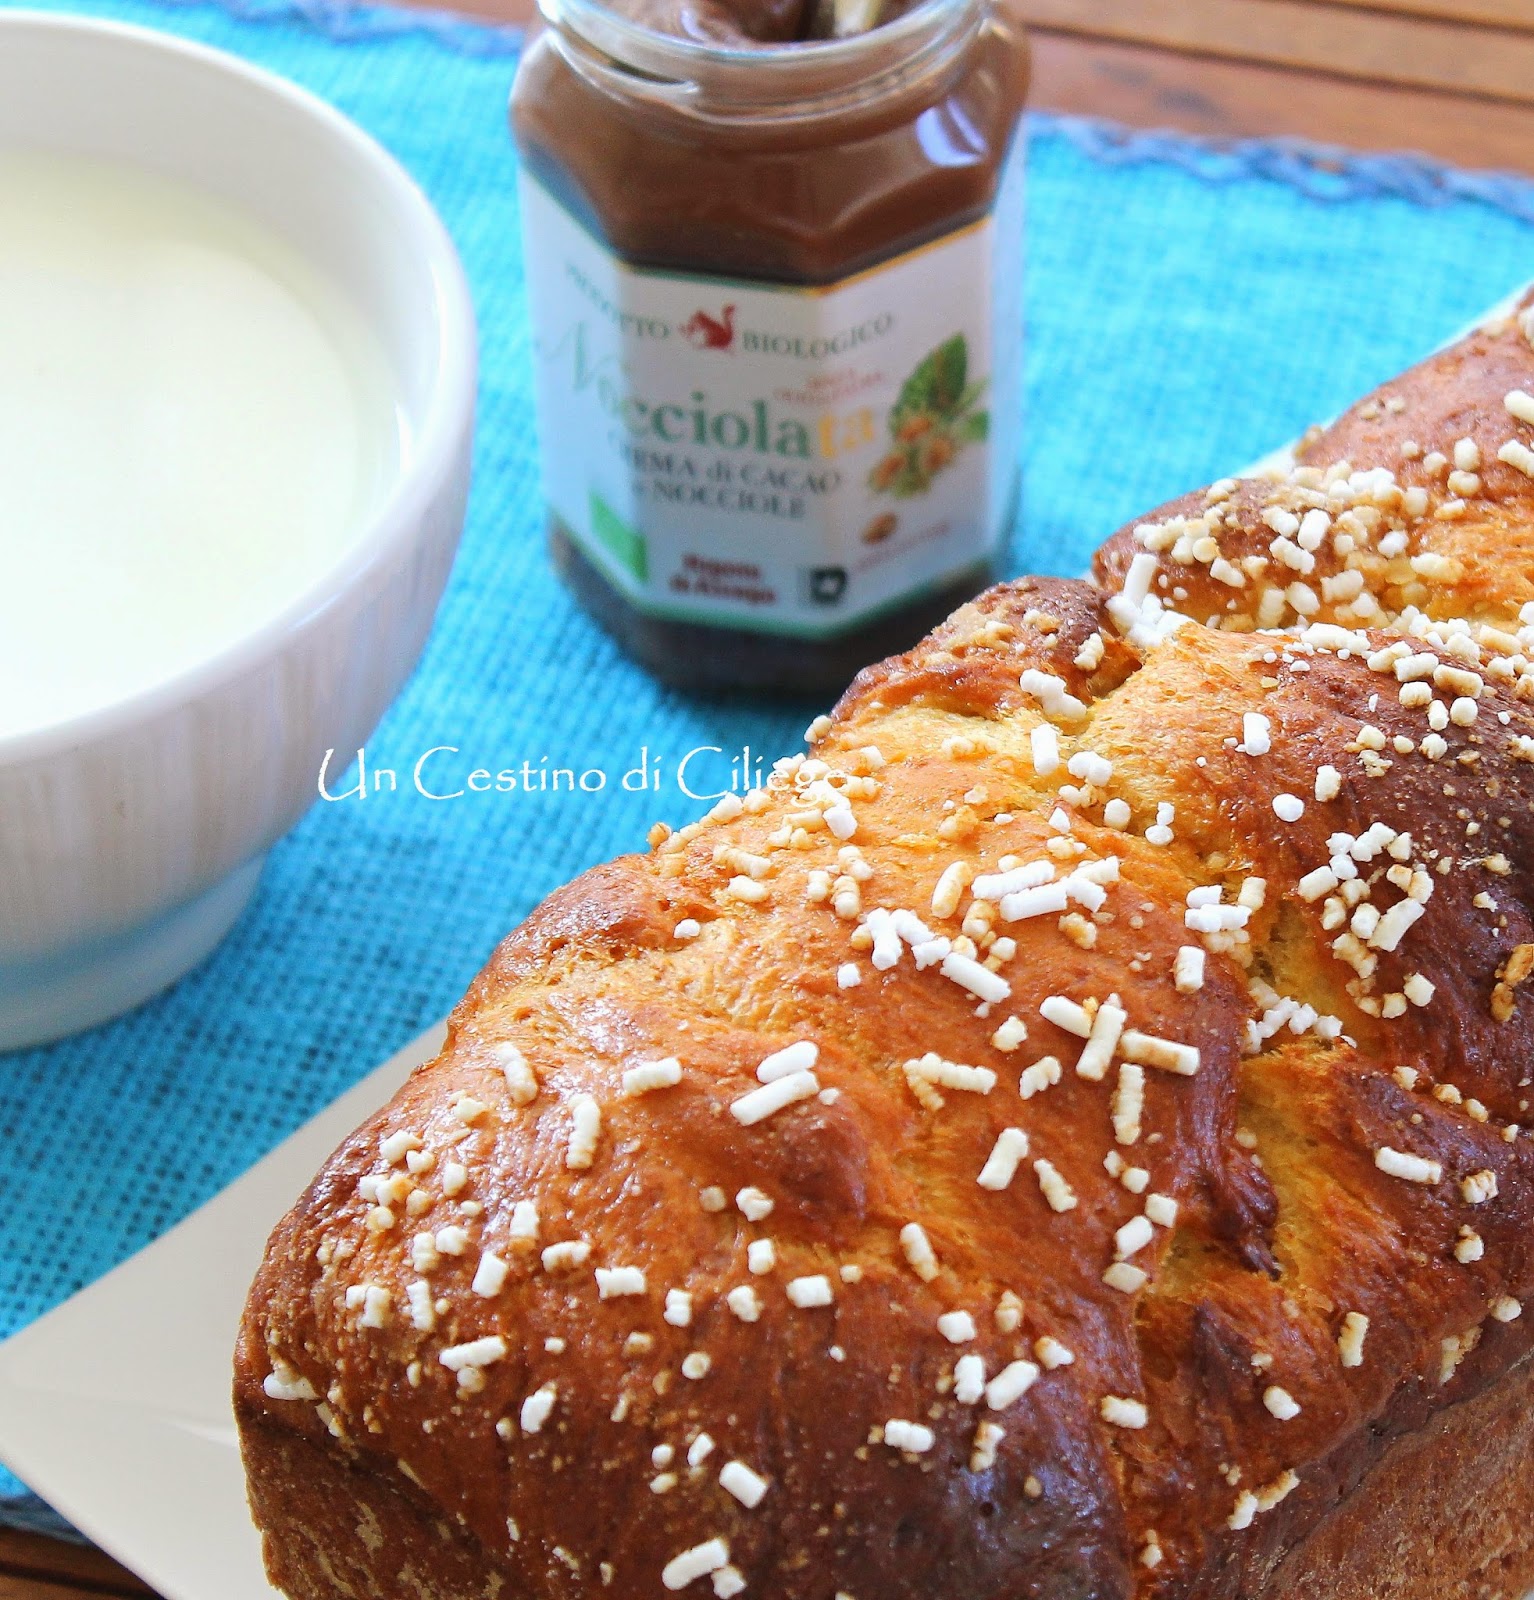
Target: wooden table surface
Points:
(1454, 78)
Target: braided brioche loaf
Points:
(1061, 1140)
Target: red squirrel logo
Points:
(704, 332)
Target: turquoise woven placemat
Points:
(1188, 309)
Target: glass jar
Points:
(776, 299)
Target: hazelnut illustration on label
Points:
(934, 418)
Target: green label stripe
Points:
(625, 544)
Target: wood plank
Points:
(31, 1586)
(1374, 46)
(1489, 13)
(1153, 88)
(29, 1589)
(519, 13)
(1518, 14)
(51, 1569)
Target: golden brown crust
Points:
(336, 1527)
(1446, 1512)
(1468, 535)
(1338, 1172)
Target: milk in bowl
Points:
(195, 425)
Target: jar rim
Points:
(685, 71)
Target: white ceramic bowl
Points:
(132, 837)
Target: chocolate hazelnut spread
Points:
(761, 22)
(738, 22)
(774, 277)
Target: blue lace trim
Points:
(28, 1514)
(1321, 171)
(347, 23)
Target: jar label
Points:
(775, 458)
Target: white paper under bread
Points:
(115, 1407)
